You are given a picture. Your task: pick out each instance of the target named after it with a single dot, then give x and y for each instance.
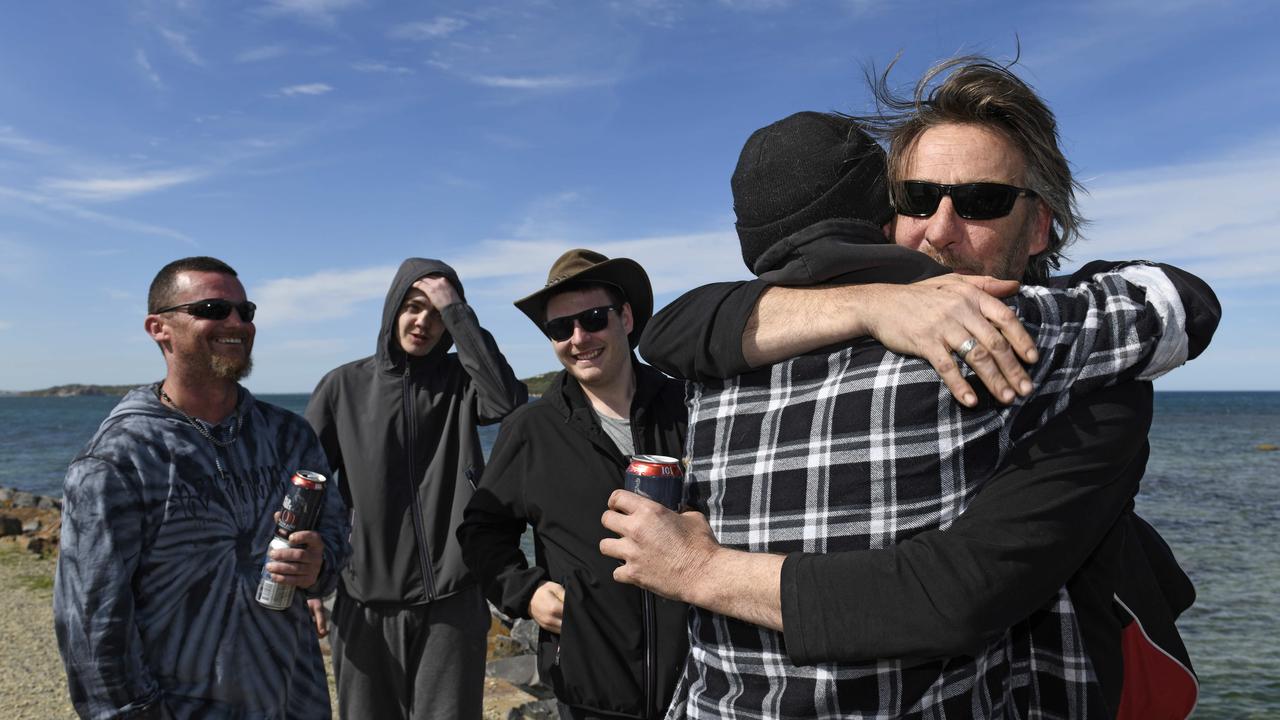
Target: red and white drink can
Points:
(299, 510)
(657, 477)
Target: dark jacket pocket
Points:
(590, 667)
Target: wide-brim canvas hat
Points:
(588, 266)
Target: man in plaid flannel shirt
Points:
(859, 448)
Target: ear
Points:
(628, 322)
(1040, 238)
(158, 329)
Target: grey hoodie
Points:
(401, 433)
(154, 598)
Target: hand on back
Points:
(932, 319)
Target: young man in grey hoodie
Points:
(400, 430)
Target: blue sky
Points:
(313, 144)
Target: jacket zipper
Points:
(424, 557)
(649, 618)
(650, 662)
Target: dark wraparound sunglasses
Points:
(593, 320)
(973, 201)
(214, 309)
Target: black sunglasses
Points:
(973, 201)
(214, 309)
(593, 320)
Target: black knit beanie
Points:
(802, 169)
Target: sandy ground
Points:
(33, 685)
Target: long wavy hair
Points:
(977, 90)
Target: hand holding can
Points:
(301, 507)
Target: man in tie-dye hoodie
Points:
(167, 515)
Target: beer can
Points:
(298, 511)
(656, 477)
(301, 505)
(271, 594)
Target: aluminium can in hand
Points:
(299, 510)
(656, 477)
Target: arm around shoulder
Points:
(946, 592)
(698, 336)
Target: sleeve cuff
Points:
(792, 625)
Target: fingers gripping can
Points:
(299, 510)
(656, 477)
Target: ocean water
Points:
(1209, 491)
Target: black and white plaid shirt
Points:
(860, 449)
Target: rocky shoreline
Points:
(32, 684)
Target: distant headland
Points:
(538, 384)
(74, 390)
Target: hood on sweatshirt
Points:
(391, 357)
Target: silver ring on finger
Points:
(966, 347)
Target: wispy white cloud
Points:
(322, 12)
(549, 216)
(756, 5)
(1215, 218)
(658, 13)
(439, 27)
(674, 263)
(119, 188)
(503, 269)
(180, 45)
(307, 89)
(377, 67)
(320, 296)
(44, 203)
(259, 54)
(5, 325)
(140, 57)
(17, 260)
(457, 181)
(12, 139)
(539, 82)
(528, 49)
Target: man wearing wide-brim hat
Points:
(605, 649)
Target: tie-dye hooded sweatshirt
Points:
(161, 554)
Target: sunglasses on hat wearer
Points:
(214, 309)
(972, 201)
(593, 320)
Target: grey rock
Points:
(24, 499)
(6, 494)
(526, 633)
(46, 503)
(502, 617)
(505, 646)
(519, 670)
(32, 525)
(10, 525)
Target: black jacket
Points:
(401, 433)
(1060, 511)
(554, 468)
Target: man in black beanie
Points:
(827, 456)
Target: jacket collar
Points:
(842, 251)
(567, 397)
